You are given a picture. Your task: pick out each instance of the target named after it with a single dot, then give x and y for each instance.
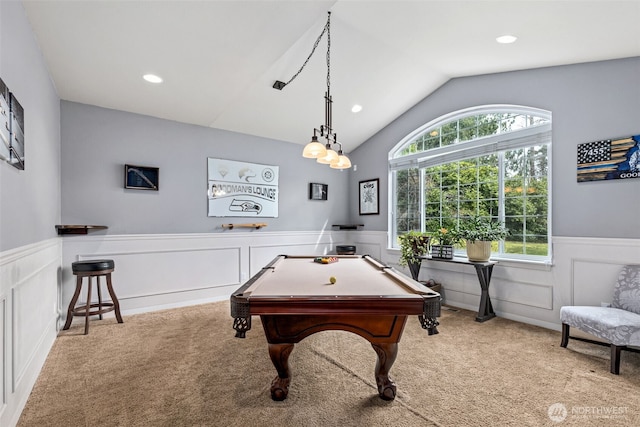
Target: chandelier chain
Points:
(328, 27)
(315, 45)
(324, 153)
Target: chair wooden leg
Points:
(565, 335)
(114, 299)
(615, 358)
(88, 308)
(615, 349)
(99, 297)
(73, 302)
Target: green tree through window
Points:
(488, 161)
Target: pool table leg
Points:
(279, 354)
(387, 353)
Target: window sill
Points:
(542, 264)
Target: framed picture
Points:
(141, 177)
(369, 197)
(17, 134)
(5, 122)
(241, 189)
(11, 128)
(609, 159)
(318, 191)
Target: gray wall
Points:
(29, 198)
(98, 142)
(588, 101)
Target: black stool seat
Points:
(92, 265)
(92, 268)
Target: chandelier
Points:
(323, 152)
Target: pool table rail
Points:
(417, 300)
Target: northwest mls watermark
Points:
(558, 412)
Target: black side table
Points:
(484, 271)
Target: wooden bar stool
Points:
(90, 269)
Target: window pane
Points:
(407, 200)
(487, 125)
(449, 134)
(468, 129)
(432, 141)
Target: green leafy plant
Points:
(413, 244)
(446, 236)
(482, 228)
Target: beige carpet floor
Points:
(183, 367)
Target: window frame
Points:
(522, 138)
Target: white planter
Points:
(479, 251)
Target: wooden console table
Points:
(484, 271)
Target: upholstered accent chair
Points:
(618, 325)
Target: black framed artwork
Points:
(318, 191)
(5, 122)
(11, 128)
(369, 192)
(141, 177)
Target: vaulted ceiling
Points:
(219, 59)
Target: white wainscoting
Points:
(29, 289)
(163, 271)
(583, 272)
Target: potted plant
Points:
(442, 242)
(413, 244)
(479, 232)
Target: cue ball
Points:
(332, 280)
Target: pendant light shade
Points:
(329, 158)
(314, 149)
(342, 162)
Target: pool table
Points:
(294, 297)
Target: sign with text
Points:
(239, 189)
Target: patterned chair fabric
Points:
(626, 294)
(619, 324)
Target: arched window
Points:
(492, 161)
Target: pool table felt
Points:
(355, 275)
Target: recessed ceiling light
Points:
(152, 78)
(356, 108)
(506, 39)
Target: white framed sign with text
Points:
(240, 189)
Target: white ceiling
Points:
(219, 59)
